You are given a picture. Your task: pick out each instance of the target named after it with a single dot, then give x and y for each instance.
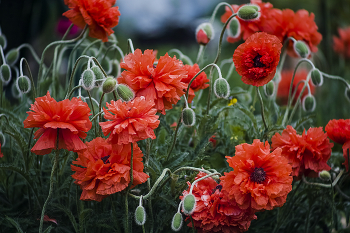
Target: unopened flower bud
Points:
(109, 85)
(23, 84)
(269, 89)
(3, 41)
(234, 29)
(302, 49)
(248, 12)
(88, 78)
(98, 75)
(316, 77)
(176, 223)
(324, 175)
(2, 139)
(189, 204)
(5, 73)
(188, 117)
(221, 88)
(140, 215)
(204, 33)
(12, 57)
(125, 93)
(309, 103)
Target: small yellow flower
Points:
(232, 102)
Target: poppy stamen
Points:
(258, 175)
(105, 158)
(257, 62)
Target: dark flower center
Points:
(257, 62)
(217, 187)
(258, 175)
(105, 158)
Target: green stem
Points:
(332, 220)
(73, 90)
(128, 188)
(200, 52)
(262, 108)
(217, 8)
(73, 72)
(193, 228)
(182, 57)
(325, 185)
(28, 46)
(30, 75)
(90, 45)
(93, 109)
(336, 78)
(130, 46)
(174, 139)
(100, 115)
(94, 117)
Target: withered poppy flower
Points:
(260, 179)
(70, 117)
(341, 44)
(200, 82)
(103, 170)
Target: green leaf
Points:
(68, 213)
(15, 224)
(251, 117)
(176, 160)
(48, 230)
(303, 120)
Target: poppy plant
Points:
(341, 44)
(200, 82)
(68, 118)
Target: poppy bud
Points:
(5, 73)
(2, 139)
(204, 33)
(234, 29)
(12, 57)
(324, 175)
(188, 117)
(221, 88)
(316, 77)
(98, 75)
(88, 78)
(3, 41)
(189, 204)
(347, 93)
(23, 84)
(302, 49)
(140, 215)
(176, 223)
(115, 68)
(248, 12)
(309, 103)
(125, 93)
(109, 85)
(269, 89)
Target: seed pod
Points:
(316, 77)
(109, 85)
(234, 29)
(140, 215)
(301, 48)
(189, 204)
(248, 12)
(221, 88)
(324, 175)
(3, 41)
(125, 93)
(188, 117)
(23, 84)
(88, 78)
(309, 103)
(204, 33)
(5, 73)
(12, 57)
(177, 221)
(98, 75)
(269, 89)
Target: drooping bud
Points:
(98, 75)
(309, 103)
(248, 12)
(109, 85)
(88, 79)
(316, 77)
(5, 73)
(140, 215)
(302, 49)
(189, 204)
(234, 29)
(188, 117)
(125, 93)
(23, 84)
(177, 221)
(3, 41)
(269, 89)
(324, 175)
(12, 57)
(221, 88)
(204, 33)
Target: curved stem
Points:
(200, 52)
(202, 178)
(262, 107)
(28, 46)
(114, 47)
(336, 78)
(90, 45)
(73, 90)
(181, 56)
(174, 139)
(130, 46)
(217, 8)
(100, 116)
(94, 117)
(30, 75)
(325, 185)
(73, 72)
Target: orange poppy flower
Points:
(341, 44)
(130, 121)
(71, 117)
(1, 154)
(260, 179)
(201, 81)
(102, 170)
(100, 16)
(161, 83)
(257, 58)
(307, 153)
(214, 211)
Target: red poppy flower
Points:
(213, 140)
(200, 82)
(307, 153)
(130, 121)
(341, 45)
(161, 83)
(256, 59)
(100, 16)
(339, 132)
(103, 170)
(1, 154)
(71, 117)
(284, 84)
(260, 179)
(214, 211)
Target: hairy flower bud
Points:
(234, 29)
(221, 88)
(269, 89)
(140, 215)
(88, 78)
(125, 93)
(3, 41)
(309, 103)
(248, 12)
(5, 73)
(302, 49)
(109, 85)
(12, 57)
(316, 77)
(176, 223)
(188, 117)
(98, 75)
(23, 84)
(204, 33)
(189, 204)
(324, 175)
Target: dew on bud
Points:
(125, 93)
(109, 85)
(88, 79)
(3, 41)
(140, 215)
(316, 77)
(5, 73)
(188, 117)
(177, 221)
(189, 204)
(221, 88)
(204, 33)
(248, 12)
(269, 89)
(12, 57)
(23, 84)
(309, 103)
(324, 175)
(301, 48)
(234, 29)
